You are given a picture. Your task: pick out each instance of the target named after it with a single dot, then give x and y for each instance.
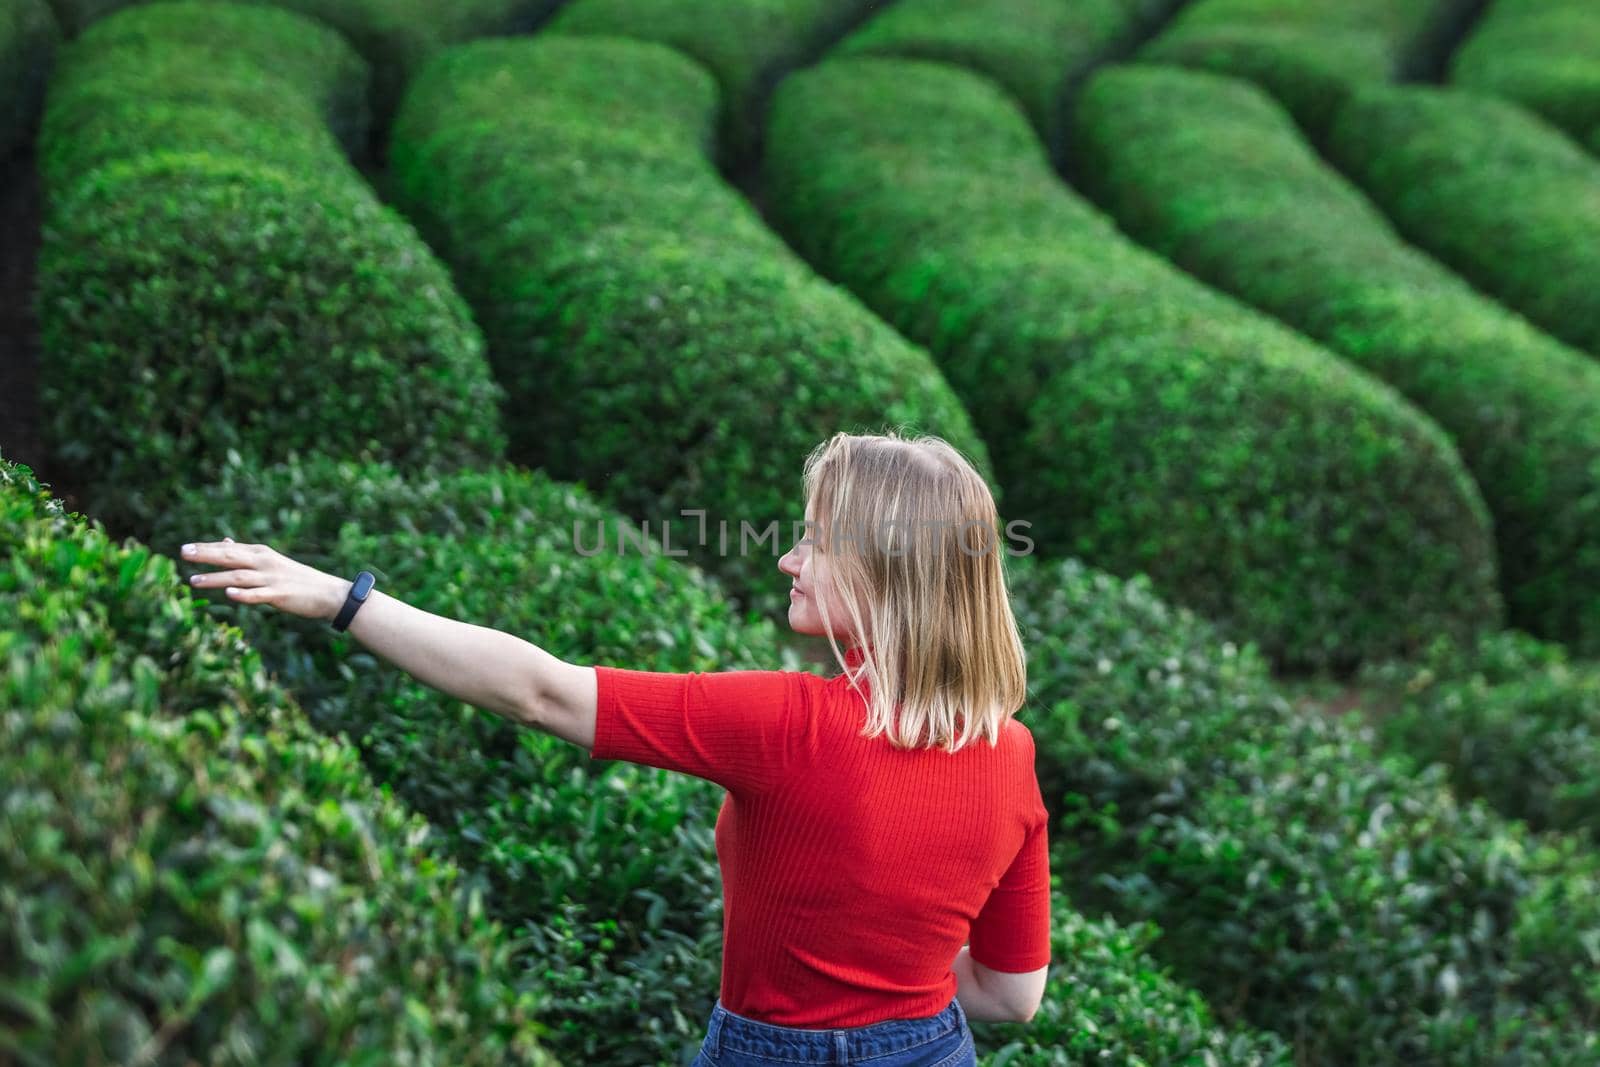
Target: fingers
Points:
(246, 583)
(226, 552)
(213, 579)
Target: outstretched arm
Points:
(486, 668)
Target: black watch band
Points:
(359, 591)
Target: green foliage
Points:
(225, 79)
(1494, 191)
(215, 276)
(398, 36)
(747, 46)
(1138, 420)
(1036, 51)
(1108, 1001)
(606, 871)
(659, 343)
(191, 873)
(1310, 53)
(1301, 881)
(1513, 719)
(1212, 174)
(28, 37)
(395, 35)
(1543, 54)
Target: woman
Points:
(883, 840)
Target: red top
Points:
(852, 871)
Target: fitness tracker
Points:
(359, 591)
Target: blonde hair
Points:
(908, 532)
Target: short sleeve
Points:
(1012, 931)
(744, 730)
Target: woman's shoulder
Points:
(1019, 730)
(1014, 734)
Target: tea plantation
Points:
(1276, 324)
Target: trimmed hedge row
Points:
(1512, 717)
(658, 341)
(1036, 51)
(232, 81)
(1137, 419)
(28, 37)
(1213, 174)
(216, 277)
(189, 872)
(746, 44)
(606, 871)
(1545, 55)
(396, 36)
(1302, 882)
(1311, 53)
(1496, 192)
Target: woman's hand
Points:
(257, 574)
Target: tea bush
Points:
(1512, 717)
(189, 871)
(747, 46)
(1542, 54)
(396, 36)
(1494, 191)
(1108, 1001)
(1211, 173)
(1302, 882)
(1311, 53)
(659, 343)
(1038, 52)
(1138, 420)
(216, 278)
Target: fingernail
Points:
(188, 550)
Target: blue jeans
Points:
(942, 1040)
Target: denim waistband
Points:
(840, 1045)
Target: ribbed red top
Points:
(852, 872)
